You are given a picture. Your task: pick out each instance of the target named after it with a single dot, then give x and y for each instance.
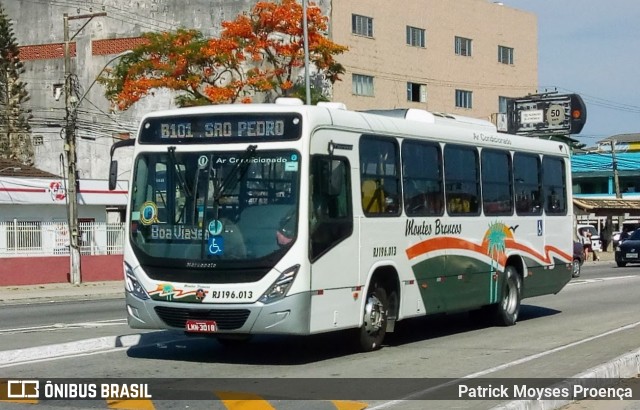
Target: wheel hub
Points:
(373, 315)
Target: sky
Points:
(591, 48)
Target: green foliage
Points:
(15, 138)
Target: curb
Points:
(13, 357)
(625, 366)
(10, 358)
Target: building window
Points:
(362, 84)
(464, 99)
(415, 36)
(505, 55)
(362, 25)
(463, 46)
(38, 140)
(416, 92)
(502, 104)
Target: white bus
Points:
(292, 219)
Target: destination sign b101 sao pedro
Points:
(215, 128)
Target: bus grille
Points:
(226, 319)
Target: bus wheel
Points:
(576, 268)
(508, 307)
(374, 325)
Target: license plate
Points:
(632, 255)
(201, 326)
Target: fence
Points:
(20, 238)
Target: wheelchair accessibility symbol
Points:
(216, 245)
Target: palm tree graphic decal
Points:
(496, 237)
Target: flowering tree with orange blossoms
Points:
(271, 37)
(203, 71)
(258, 54)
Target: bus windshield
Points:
(214, 206)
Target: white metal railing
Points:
(25, 238)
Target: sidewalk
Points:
(604, 256)
(61, 291)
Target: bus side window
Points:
(330, 213)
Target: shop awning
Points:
(608, 207)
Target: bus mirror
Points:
(113, 175)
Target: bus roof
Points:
(397, 122)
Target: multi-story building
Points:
(460, 57)
(606, 187)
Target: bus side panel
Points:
(471, 282)
(545, 279)
(333, 276)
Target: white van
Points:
(596, 245)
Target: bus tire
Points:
(576, 267)
(374, 324)
(508, 307)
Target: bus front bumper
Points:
(290, 315)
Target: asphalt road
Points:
(594, 320)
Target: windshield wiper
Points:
(238, 170)
(174, 164)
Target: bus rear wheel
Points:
(508, 307)
(375, 316)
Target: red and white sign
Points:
(57, 190)
(47, 191)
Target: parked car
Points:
(578, 259)
(596, 245)
(629, 250)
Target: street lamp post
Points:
(305, 39)
(72, 177)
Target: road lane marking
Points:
(132, 404)
(58, 326)
(349, 405)
(243, 401)
(575, 282)
(421, 393)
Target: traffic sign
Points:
(546, 114)
(555, 114)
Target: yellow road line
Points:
(132, 404)
(20, 401)
(349, 405)
(4, 393)
(243, 401)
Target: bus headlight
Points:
(132, 285)
(281, 286)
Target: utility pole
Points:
(616, 180)
(70, 148)
(305, 39)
